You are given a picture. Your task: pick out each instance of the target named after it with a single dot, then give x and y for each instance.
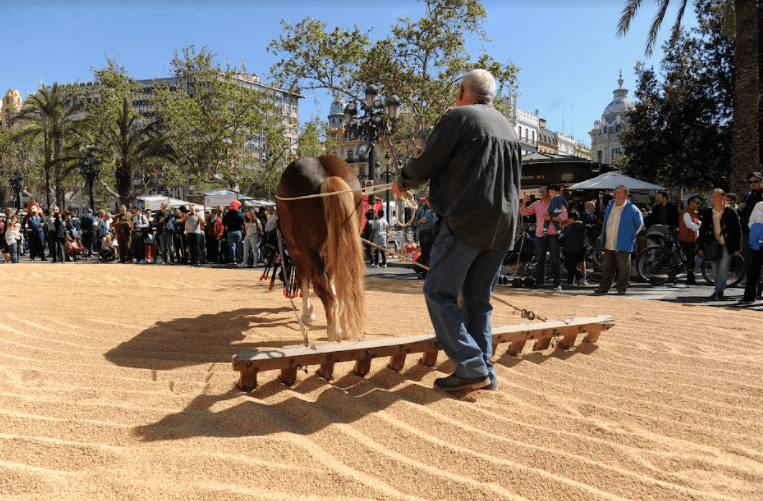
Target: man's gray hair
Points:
(625, 188)
(480, 83)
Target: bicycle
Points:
(662, 262)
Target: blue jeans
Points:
(250, 244)
(164, 244)
(723, 269)
(13, 250)
(550, 242)
(234, 241)
(464, 334)
(195, 242)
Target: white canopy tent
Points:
(225, 197)
(611, 180)
(154, 202)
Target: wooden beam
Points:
(290, 359)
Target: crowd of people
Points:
(715, 233)
(179, 235)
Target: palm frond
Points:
(651, 37)
(629, 12)
(677, 25)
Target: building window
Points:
(533, 137)
(615, 153)
(520, 133)
(599, 154)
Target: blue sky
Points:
(567, 52)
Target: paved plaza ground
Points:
(116, 383)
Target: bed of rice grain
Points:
(116, 383)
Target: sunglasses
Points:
(542, 191)
(753, 181)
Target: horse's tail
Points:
(345, 256)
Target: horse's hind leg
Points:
(324, 291)
(307, 307)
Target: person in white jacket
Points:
(752, 289)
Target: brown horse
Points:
(322, 236)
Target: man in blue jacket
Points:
(622, 221)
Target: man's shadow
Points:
(206, 338)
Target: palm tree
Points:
(743, 16)
(51, 113)
(133, 145)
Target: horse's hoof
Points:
(271, 287)
(310, 319)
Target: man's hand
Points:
(398, 193)
(423, 220)
(546, 217)
(526, 199)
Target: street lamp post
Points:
(17, 185)
(372, 125)
(90, 168)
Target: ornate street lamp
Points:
(90, 169)
(17, 185)
(372, 125)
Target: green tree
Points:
(421, 61)
(680, 130)
(314, 140)
(130, 146)
(741, 19)
(53, 113)
(219, 124)
(23, 152)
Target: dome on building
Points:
(614, 113)
(336, 113)
(337, 107)
(12, 100)
(606, 143)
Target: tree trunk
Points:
(58, 174)
(745, 155)
(124, 182)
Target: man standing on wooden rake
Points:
(473, 161)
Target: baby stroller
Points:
(74, 248)
(516, 265)
(108, 249)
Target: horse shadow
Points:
(206, 338)
(343, 401)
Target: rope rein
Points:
(369, 190)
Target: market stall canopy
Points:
(611, 180)
(225, 197)
(154, 202)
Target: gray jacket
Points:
(473, 161)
